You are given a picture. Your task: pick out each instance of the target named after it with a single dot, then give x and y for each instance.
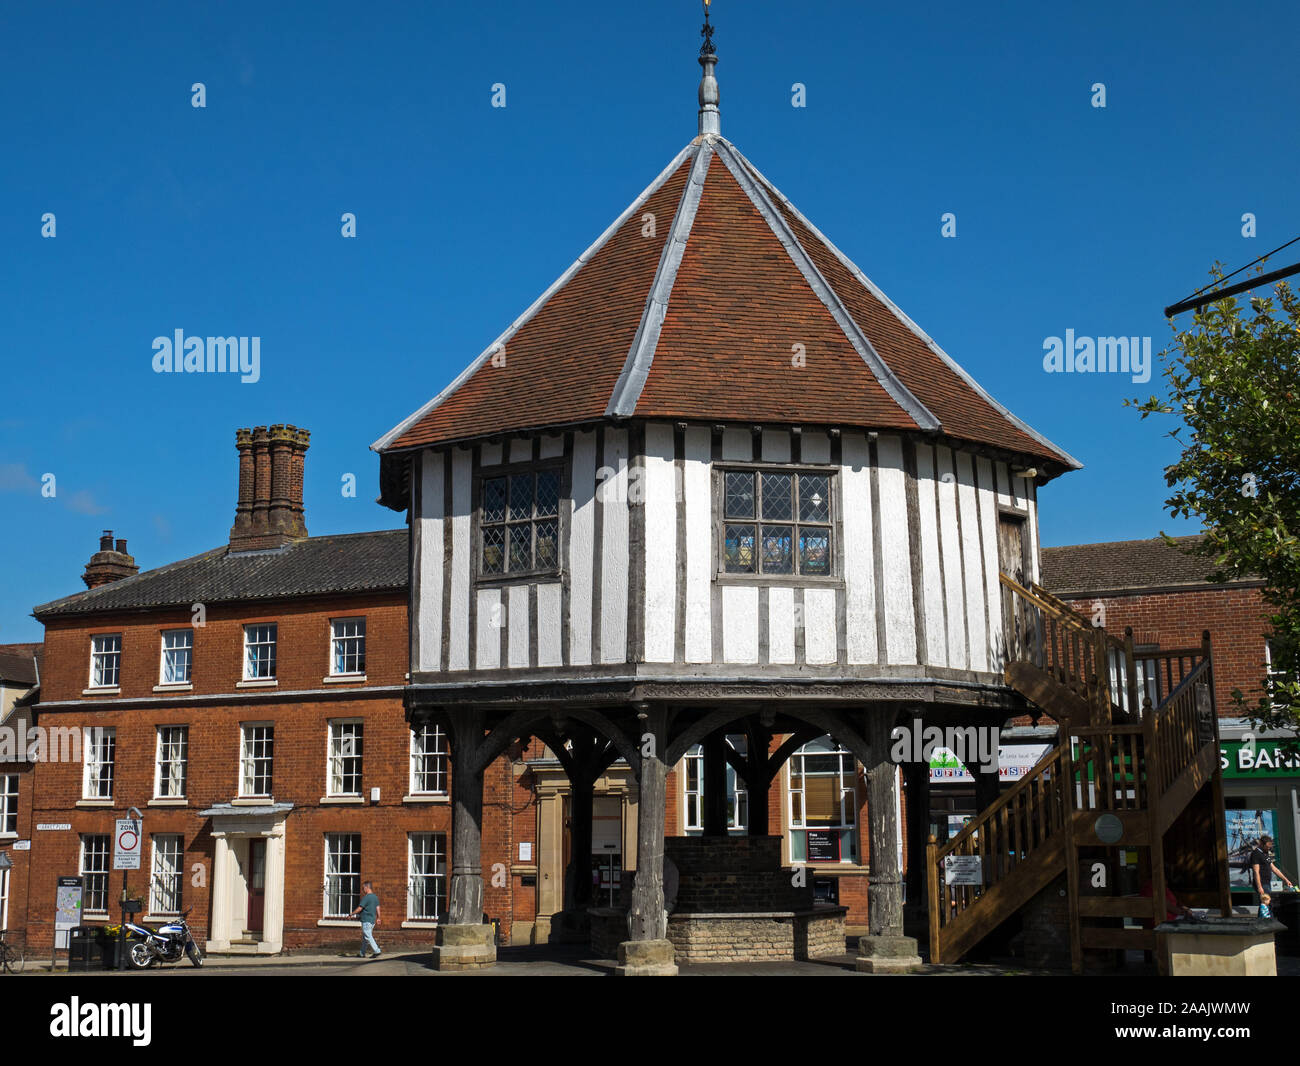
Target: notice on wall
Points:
(963, 870)
(525, 851)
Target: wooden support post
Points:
(714, 814)
(938, 893)
(1155, 781)
(917, 777)
(758, 778)
(647, 952)
(1220, 842)
(466, 941)
(1130, 668)
(1072, 803)
(885, 949)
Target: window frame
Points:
(86, 874)
(325, 895)
(441, 876)
(90, 741)
(737, 794)
(555, 465)
(335, 639)
(835, 579)
(116, 683)
(330, 757)
(184, 762)
(846, 772)
(442, 755)
(162, 657)
(177, 874)
(245, 757)
(274, 644)
(9, 805)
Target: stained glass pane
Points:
(814, 551)
(738, 547)
(494, 552)
(548, 493)
(521, 547)
(494, 499)
(814, 498)
(778, 497)
(548, 544)
(777, 550)
(740, 495)
(521, 496)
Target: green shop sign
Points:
(1263, 758)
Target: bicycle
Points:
(11, 959)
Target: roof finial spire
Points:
(710, 117)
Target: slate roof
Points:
(1123, 564)
(699, 321)
(349, 562)
(19, 663)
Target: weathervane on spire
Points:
(706, 49)
(710, 119)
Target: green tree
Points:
(1233, 380)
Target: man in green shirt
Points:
(368, 909)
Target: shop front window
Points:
(823, 803)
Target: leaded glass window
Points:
(776, 522)
(519, 523)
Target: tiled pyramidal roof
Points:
(697, 317)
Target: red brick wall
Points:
(1236, 618)
(301, 732)
(18, 874)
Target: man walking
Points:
(368, 909)
(1262, 870)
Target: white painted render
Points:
(640, 546)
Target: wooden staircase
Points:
(1138, 756)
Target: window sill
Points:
(269, 682)
(8, 836)
(150, 918)
(251, 801)
(178, 686)
(353, 800)
(94, 803)
(440, 797)
(520, 577)
(169, 801)
(780, 580)
(338, 923)
(102, 690)
(344, 679)
(421, 923)
(97, 915)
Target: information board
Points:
(67, 909)
(963, 870)
(823, 845)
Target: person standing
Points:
(368, 910)
(1262, 869)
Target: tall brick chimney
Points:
(110, 563)
(269, 513)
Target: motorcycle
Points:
(167, 943)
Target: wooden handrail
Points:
(1046, 763)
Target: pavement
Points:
(574, 961)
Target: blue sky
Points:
(225, 220)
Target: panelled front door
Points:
(256, 884)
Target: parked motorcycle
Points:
(167, 943)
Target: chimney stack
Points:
(269, 513)
(109, 564)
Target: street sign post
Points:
(126, 856)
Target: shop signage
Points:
(1014, 761)
(823, 845)
(1263, 758)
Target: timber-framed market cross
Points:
(714, 484)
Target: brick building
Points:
(248, 702)
(19, 674)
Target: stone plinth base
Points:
(645, 958)
(887, 954)
(464, 947)
(1223, 947)
(763, 936)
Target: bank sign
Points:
(1263, 758)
